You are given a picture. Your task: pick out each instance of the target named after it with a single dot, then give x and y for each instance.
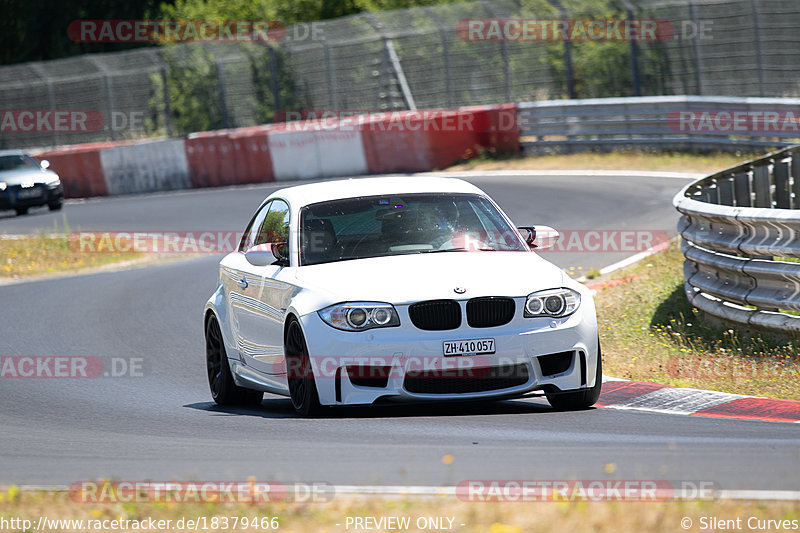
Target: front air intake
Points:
(555, 363)
(466, 381)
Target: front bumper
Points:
(15, 196)
(405, 363)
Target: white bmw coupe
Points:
(376, 289)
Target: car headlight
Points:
(553, 303)
(54, 182)
(360, 316)
(2, 185)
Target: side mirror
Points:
(539, 237)
(45, 164)
(268, 254)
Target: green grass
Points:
(477, 517)
(592, 274)
(703, 162)
(42, 255)
(651, 333)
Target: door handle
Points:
(242, 283)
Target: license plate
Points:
(471, 347)
(33, 192)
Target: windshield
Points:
(16, 162)
(373, 226)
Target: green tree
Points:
(33, 30)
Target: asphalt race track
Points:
(163, 424)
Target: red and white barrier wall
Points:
(145, 166)
(407, 141)
(308, 153)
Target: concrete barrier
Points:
(413, 141)
(452, 136)
(405, 141)
(209, 156)
(497, 127)
(390, 148)
(252, 160)
(80, 169)
(145, 167)
(310, 153)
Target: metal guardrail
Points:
(654, 122)
(740, 228)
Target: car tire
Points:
(55, 207)
(582, 399)
(21, 210)
(299, 372)
(224, 390)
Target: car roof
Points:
(312, 193)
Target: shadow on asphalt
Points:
(282, 408)
(38, 210)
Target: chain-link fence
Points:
(414, 58)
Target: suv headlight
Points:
(53, 182)
(360, 316)
(553, 303)
(3, 185)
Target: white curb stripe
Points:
(677, 400)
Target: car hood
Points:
(16, 177)
(410, 278)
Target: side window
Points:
(275, 226)
(250, 234)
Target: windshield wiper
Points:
(458, 250)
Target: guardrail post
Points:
(725, 191)
(783, 193)
(741, 189)
(708, 194)
(761, 187)
(795, 165)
